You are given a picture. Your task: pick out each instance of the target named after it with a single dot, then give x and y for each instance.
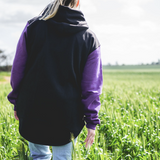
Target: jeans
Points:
(42, 152)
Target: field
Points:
(130, 118)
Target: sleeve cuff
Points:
(15, 108)
(91, 126)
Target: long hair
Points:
(51, 9)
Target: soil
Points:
(7, 80)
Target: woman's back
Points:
(51, 90)
(57, 77)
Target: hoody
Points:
(56, 78)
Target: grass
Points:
(130, 116)
(130, 119)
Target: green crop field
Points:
(130, 118)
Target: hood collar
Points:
(68, 21)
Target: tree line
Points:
(4, 66)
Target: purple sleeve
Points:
(91, 86)
(18, 67)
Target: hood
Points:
(68, 21)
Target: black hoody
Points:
(49, 102)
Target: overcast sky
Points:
(128, 30)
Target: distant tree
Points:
(153, 63)
(3, 57)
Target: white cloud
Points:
(129, 44)
(36, 2)
(133, 7)
(133, 10)
(149, 25)
(135, 2)
(142, 27)
(18, 12)
(88, 6)
(129, 49)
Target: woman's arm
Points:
(19, 63)
(91, 85)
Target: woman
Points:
(56, 79)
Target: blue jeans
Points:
(42, 152)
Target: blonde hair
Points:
(51, 10)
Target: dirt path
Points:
(7, 80)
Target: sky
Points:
(128, 30)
